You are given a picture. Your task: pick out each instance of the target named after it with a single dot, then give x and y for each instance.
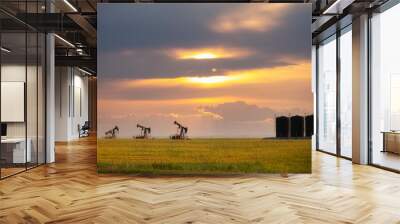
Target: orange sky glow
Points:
(223, 70)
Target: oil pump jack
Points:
(181, 131)
(144, 132)
(112, 133)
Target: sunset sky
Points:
(223, 70)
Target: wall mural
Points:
(196, 88)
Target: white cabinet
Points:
(19, 155)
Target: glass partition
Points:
(346, 92)
(22, 88)
(41, 96)
(31, 99)
(385, 89)
(14, 153)
(327, 95)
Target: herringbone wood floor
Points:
(70, 191)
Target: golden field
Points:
(203, 156)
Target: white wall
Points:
(62, 83)
(12, 73)
(71, 94)
(33, 126)
(80, 111)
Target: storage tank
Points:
(282, 127)
(309, 119)
(297, 126)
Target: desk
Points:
(13, 150)
(391, 141)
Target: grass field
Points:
(203, 156)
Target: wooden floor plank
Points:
(71, 191)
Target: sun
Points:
(202, 55)
(206, 55)
(209, 79)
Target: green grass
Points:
(203, 156)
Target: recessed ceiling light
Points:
(64, 40)
(337, 7)
(70, 5)
(5, 50)
(85, 72)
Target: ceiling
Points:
(75, 22)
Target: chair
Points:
(84, 130)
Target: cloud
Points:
(240, 112)
(286, 86)
(146, 64)
(216, 79)
(211, 52)
(144, 44)
(205, 113)
(249, 18)
(230, 119)
(122, 116)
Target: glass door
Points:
(22, 77)
(14, 145)
(385, 89)
(327, 95)
(345, 94)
